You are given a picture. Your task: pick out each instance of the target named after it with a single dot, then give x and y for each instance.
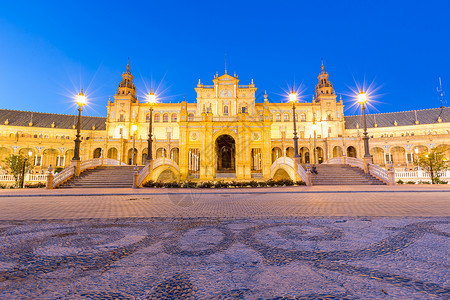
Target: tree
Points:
(434, 162)
(15, 165)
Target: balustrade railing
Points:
(63, 176)
(355, 162)
(379, 172)
(301, 172)
(335, 160)
(27, 178)
(162, 161)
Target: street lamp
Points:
(151, 98)
(417, 153)
(133, 130)
(362, 99)
(23, 167)
(81, 101)
(314, 128)
(293, 99)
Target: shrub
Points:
(271, 182)
(287, 182)
(3, 186)
(221, 184)
(34, 185)
(58, 169)
(262, 184)
(410, 182)
(173, 184)
(253, 183)
(206, 185)
(159, 184)
(400, 181)
(149, 184)
(440, 181)
(300, 182)
(423, 182)
(189, 185)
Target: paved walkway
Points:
(226, 203)
(280, 243)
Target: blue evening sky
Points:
(50, 49)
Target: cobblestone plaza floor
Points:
(279, 243)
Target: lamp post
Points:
(314, 127)
(293, 99)
(81, 101)
(417, 153)
(151, 98)
(133, 130)
(25, 159)
(362, 99)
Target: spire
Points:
(323, 68)
(225, 64)
(128, 65)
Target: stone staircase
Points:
(104, 177)
(342, 175)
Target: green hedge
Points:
(222, 184)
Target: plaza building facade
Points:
(225, 133)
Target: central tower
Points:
(226, 98)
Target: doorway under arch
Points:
(225, 153)
(351, 151)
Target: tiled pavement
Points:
(280, 244)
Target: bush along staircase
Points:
(103, 177)
(342, 174)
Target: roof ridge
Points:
(37, 112)
(403, 111)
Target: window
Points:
(157, 118)
(173, 118)
(261, 117)
(244, 109)
(133, 115)
(225, 110)
(303, 117)
(166, 118)
(147, 117)
(286, 117)
(191, 117)
(121, 118)
(278, 118)
(38, 160)
(60, 160)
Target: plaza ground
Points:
(363, 242)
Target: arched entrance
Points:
(97, 152)
(351, 151)
(276, 153)
(337, 151)
(225, 151)
(112, 153)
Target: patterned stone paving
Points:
(226, 258)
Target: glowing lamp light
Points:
(133, 127)
(362, 97)
(81, 98)
(314, 127)
(30, 153)
(151, 97)
(416, 150)
(293, 96)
